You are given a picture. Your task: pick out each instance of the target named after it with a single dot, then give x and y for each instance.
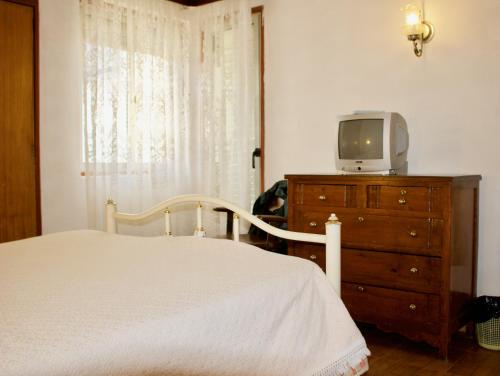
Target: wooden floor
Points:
(394, 355)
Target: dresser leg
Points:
(443, 351)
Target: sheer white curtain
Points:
(145, 137)
(227, 92)
(136, 110)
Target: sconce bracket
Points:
(428, 32)
(417, 49)
(426, 36)
(419, 39)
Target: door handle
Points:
(256, 154)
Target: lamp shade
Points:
(413, 20)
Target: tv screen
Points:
(361, 139)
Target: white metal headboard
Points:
(331, 237)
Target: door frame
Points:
(260, 10)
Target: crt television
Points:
(372, 142)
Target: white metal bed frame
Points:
(331, 237)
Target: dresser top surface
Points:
(385, 177)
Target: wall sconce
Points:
(416, 28)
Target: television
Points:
(372, 142)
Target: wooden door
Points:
(19, 209)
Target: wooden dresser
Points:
(409, 247)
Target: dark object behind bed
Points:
(267, 207)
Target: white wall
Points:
(62, 188)
(323, 58)
(330, 57)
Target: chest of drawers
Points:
(409, 247)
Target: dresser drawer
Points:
(311, 252)
(416, 273)
(412, 235)
(392, 309)
(424, 199)
(334, 195)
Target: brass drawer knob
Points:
(414, 270)
(361, 219)
(402, 201)
(413, 307)
(403, 192)
(361, 288)
(413, 233)
(313, 257)
(322, 197)
(313, 224)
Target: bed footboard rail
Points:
(331, 238)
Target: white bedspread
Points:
(91, 303)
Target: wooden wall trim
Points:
(31, 3)
(194, 3)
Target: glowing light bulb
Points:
(368, 142)
(412, 19)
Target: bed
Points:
(99, 303)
